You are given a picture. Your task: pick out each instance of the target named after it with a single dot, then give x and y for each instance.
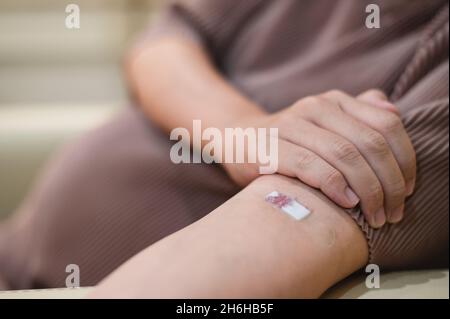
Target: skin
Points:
(247, 248)
(361, 142)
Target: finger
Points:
(376, 151)
(308, 167)
(346, 158)
(379, 99)
(391, 127)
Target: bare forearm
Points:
(175, 82)
(248, 248)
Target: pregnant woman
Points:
(370, 165)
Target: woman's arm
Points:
(175, 82)
(354, 146)
(248, 248)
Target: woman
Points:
(254, 64)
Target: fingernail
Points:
(397, 214)
(410, 188)
(352, 198)
(379, 219)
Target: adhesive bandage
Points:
(288, 205)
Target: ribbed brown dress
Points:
(115, 191)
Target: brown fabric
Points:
(104, 199)
(116, 191)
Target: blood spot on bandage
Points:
(278, 199)
(288, 205)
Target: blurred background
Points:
(56, 83)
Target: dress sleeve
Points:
(209, 23)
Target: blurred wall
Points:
(57, 83)
(41, 61)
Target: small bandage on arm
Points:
(289, 205)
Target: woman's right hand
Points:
(355, 150)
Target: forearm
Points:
(248, 248)
(157, 68)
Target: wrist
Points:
(243, 173)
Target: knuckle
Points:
(375, 194)
(397, 190)
(334, 93)
(375, 92)
(313, 100)
(346, 152)
(305, 159)
(332, 179)
(374, 142)
(309, 105)
(298, 104)
(390, 123)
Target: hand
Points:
(355, 150)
